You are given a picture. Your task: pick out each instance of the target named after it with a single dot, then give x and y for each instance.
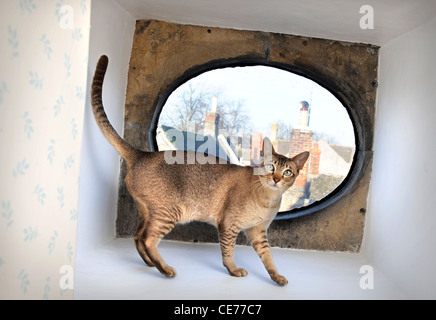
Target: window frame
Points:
(347, 100)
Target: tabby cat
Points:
(232, 198)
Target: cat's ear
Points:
(267, 148)
(300, 159)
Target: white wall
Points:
(43, 66)
(112, 31)
(400, 234)
(331, 162)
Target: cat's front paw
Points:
(169, 272)
(238, 272)
(280, 280)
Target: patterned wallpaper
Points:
(43, 70)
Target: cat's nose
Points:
(276, 180)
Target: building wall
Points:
(400, 235)
(330, 162)
(43, 66)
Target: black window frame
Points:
(358, 163)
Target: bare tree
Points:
(235, 118)
(284, 130)
(318, 135)
(192, 108)
(196, 102)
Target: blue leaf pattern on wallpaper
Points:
(40, 194)
(52, 242)
(3, 90)
(69, 162)
(35, 80)
(73, 214)
(51, 151)
(42, 103)
(47, 48)
(30, 234)
(74, 130)
(83, 6)
(57, 106)
(46, 289)
(13, 41)
(77, 34)
(20, 169)
(59, 5)
(69, 249)
(27, 5)
(28, 128)
(7, 213)
(24, 280)
(61, 197)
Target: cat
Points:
(232, 198)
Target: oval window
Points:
(229, 111)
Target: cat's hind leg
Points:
(139, 241)
(158, 225)
(141, 232)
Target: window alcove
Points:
(165, 56)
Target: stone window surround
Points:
(165, 55)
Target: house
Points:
(169, 138)
(335, 160)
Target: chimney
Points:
(256, 148)
(301, 136)
(315, 157)
(214, 104)
(274, 130)
(212, 123)
(303, 120)
(301, 140)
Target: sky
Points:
(270, 95)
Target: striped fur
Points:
(129, 153)
(232, 198)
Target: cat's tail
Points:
(129, 153)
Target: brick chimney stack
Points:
(302, 141)
(303, 120)
(315, 156)
(212, 123)
(274, 130)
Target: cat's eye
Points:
(269, 167)
(287, 173)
